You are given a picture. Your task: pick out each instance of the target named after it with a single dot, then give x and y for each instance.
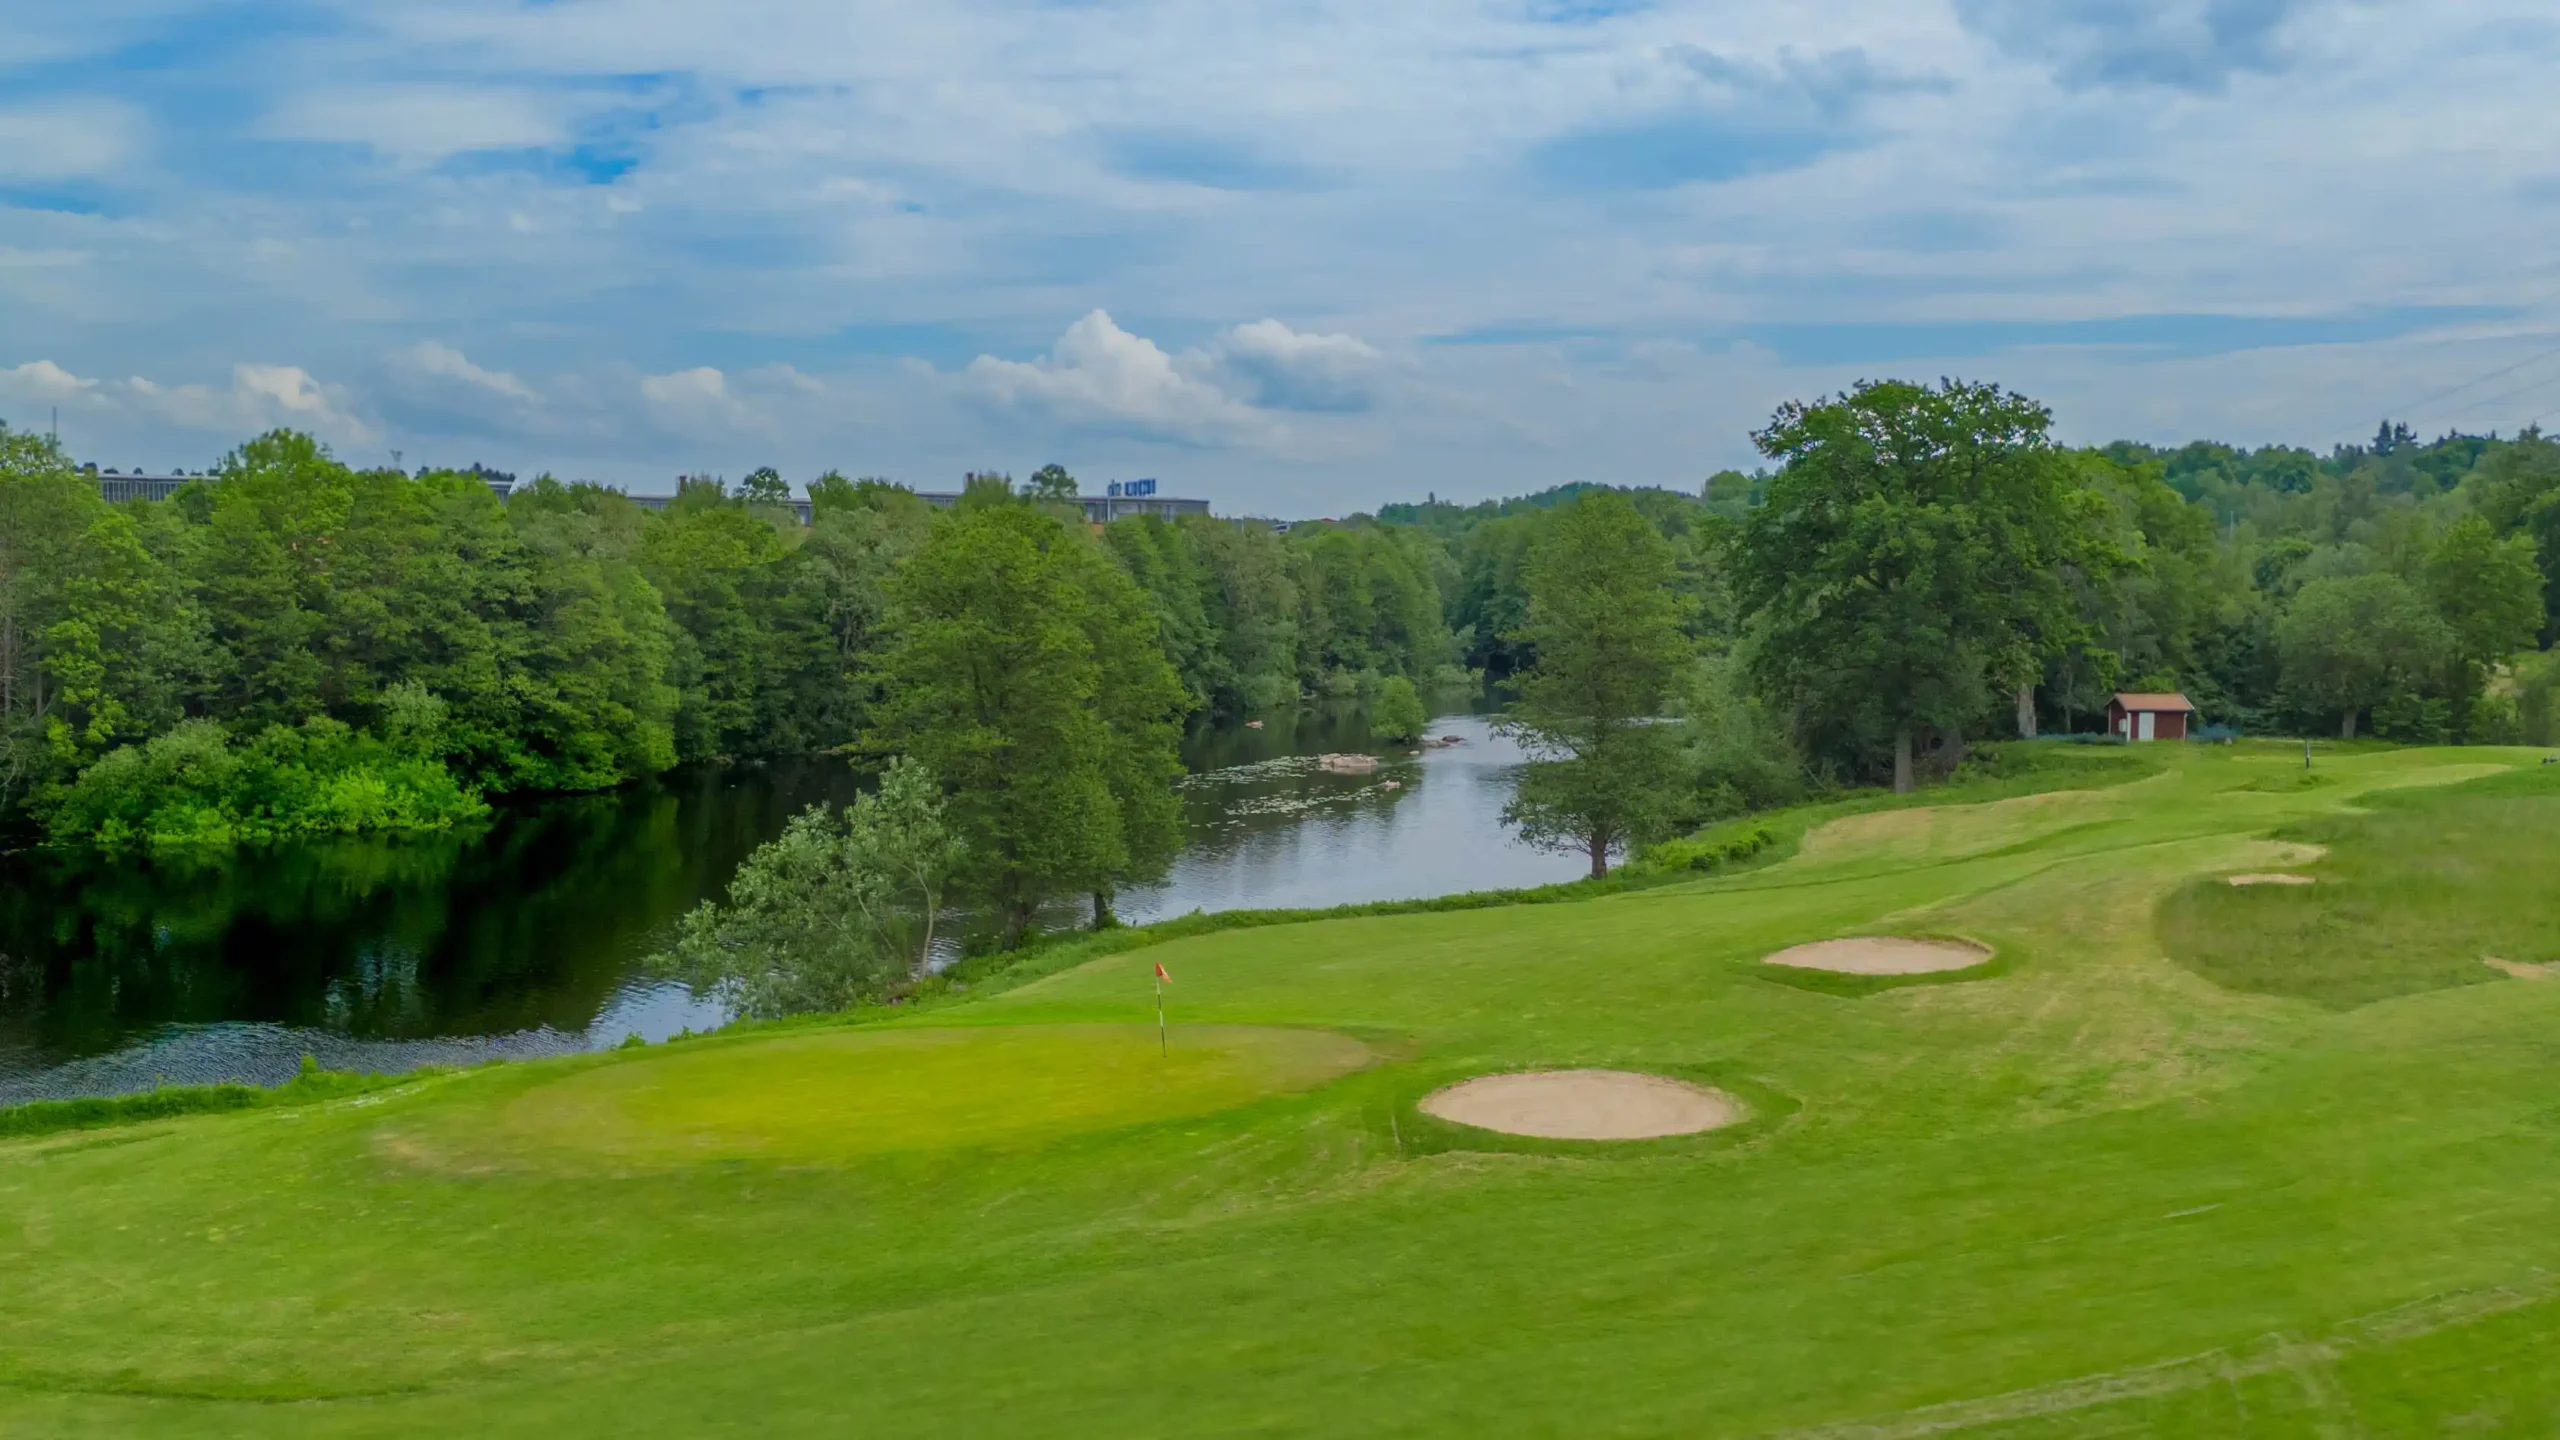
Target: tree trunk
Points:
(2347, 727)
(1103, 919)
(1955, 747)
(2027, 711)
(1017, 922)
(1902, 761)
(1599, 848)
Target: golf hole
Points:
(1583, 1105)
(1883, 955)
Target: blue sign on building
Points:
(1139, 487)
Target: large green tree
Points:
(2490, 595)
(1610, 647)
(1912, 559)
(2350, 642)
(1021, 669)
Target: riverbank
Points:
(521, 938)
(1747, 843)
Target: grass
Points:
(2411, 896)
(2092, 1191)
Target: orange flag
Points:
(1160, 975)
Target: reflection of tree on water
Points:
(532, 928)
(533, 922)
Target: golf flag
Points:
(1163, 1044)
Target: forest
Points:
(292, 645)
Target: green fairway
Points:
(2182, 1159)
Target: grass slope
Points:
(2092, 1192)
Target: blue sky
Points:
(1300, 257)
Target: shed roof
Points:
(2136, 700)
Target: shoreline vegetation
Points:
(1999, 772)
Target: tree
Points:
(989, 679)
(980, 490)
(1052, 482)
(2520, 493)
(2349, 643)
(2490, 595)
(1398, 717)
(1609, 644)
(764, 485)
(1912, 559)
(836, 912)
(90, 622)
(1141, 703)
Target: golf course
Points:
(2129, 1149)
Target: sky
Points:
(1298, 257)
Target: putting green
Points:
(836, 1095)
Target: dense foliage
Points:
(291, 645)
(1924, 564)
(833, 914)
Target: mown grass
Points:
(2413, 896)
(2091, 1193)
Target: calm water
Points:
(521, 939)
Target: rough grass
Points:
(2411, 897)
(2094, 1193)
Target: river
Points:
(522, 938)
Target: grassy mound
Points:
(833, 1096)
(2410, 898)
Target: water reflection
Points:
(520, 938)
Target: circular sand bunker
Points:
(2245, 881)
(1583, 1105)
(1882, 955)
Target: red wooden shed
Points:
(2148, 717)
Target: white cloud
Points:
(259, 398)
(432, 361)
(44, 383)
(419, 124)
(1099, 374)
(68, 140)
(881, 192)
(1271, 364)
(698, 401)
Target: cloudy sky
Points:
(1298, 256)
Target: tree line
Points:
(292, 645)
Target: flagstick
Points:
(1164, 1047)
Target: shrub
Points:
(1398, 717)
(199, 785)
(1707, 852)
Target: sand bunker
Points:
(2521, 970)
(1882, 955)
(2245, 880)
(1583, 1105)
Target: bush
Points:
(1398, 717)
(1706, 852)
(199, 785)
